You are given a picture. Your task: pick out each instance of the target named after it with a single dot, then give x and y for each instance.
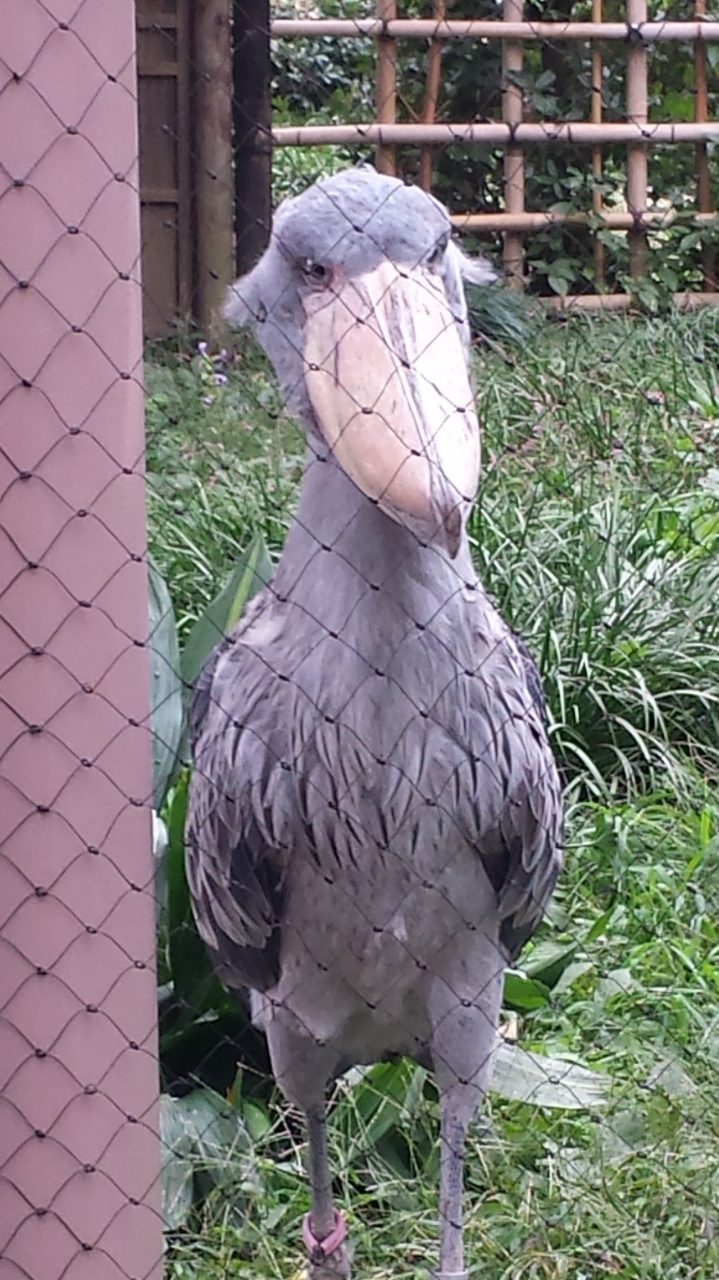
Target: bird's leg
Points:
(452, 1138)
(322, 1215)
(302, 1067)
(464, 1009)
(325, 1229)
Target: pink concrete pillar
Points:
(79, 1151)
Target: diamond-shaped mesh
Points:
(284, 798)
(79, 1181)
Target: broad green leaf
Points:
(524, 993)
(177, 1171)
(256, 1119)
(166, 702)
(572, 974)
(616, 983)
(546, 1081)
(252, 572)
(205, 1145)
(217, 1131)
(558, 283)
(547, 959)
(668, 1074)
(600, 926)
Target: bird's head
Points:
(358, 302)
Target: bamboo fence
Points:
(637, 132)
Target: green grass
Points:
(597, 529)
(223, 462)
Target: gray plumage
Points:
(375, 815)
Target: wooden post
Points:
(597, 160)
(704, 191)
(386, 86)
(431, 94)
(513, 11)
(252, 123)
(183, 154)
(163, 93)
(79, 1083)
(213, 157)
(637, 113)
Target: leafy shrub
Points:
(332, 81)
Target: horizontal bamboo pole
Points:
(613, 219)
(623, 301)
(427, 29)
(580, 133)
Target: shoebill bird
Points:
(375, 815)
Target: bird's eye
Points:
(435, 257)
(316, 274)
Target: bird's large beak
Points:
(387, 377)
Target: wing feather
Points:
(518, 792)
(238, 813)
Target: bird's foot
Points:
(329, 1259)
(450, 1275)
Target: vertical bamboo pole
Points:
(513, 11)
(431, 94)
(637, 113)
(79, 1146)
(704, 192)
(597, 160)
(386, 86)
(213, 148)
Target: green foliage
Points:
(332, 81)
(596, 531)
(320, 81)
(498, 314)
(223, 462)
(205, 1149)
(252, 571)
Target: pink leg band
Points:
(319, 1249)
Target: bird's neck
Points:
(349, 566)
